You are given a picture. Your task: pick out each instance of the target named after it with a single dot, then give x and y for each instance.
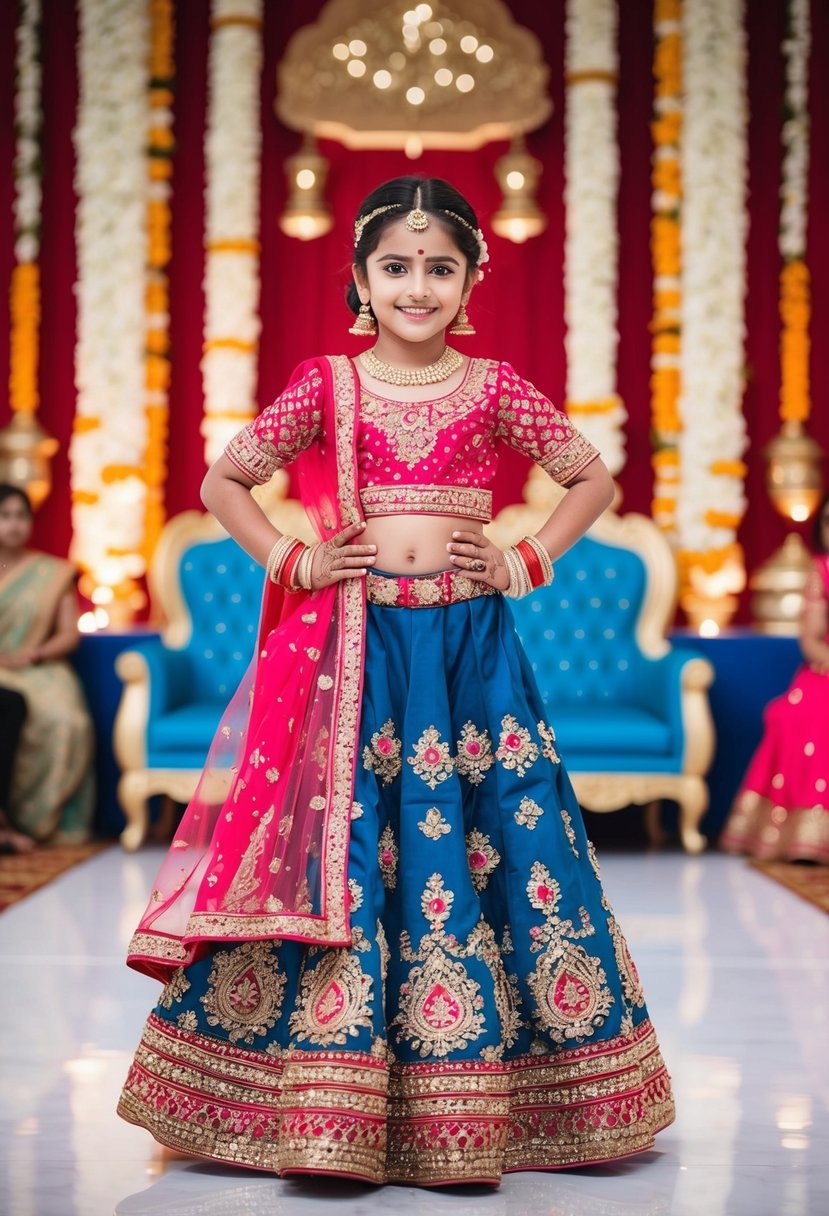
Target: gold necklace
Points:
(433, 373)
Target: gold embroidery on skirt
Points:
(387, 854)
(431, 760)
(245, 989)
(474, 758)
(382, 755)
(433, 825)
(516, 749)
(481, 857)
(334, 1000)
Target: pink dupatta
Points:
(262, 849)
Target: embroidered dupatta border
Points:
(155, 952)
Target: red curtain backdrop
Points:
(518, 309)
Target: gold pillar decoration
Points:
(519, 216)
(25, 453)
(306, 215)
(794, 484)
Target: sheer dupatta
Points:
(262, 849)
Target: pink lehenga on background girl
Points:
(782, 809)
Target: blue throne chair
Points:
(207, 592)
(630, 713)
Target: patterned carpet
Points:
(809, 881)
(22, 873)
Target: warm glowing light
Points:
(484, 53)
(469, 44)
(423, 12)
(438, 46)
(465, 83)
(411, 33)
(413, 147)
(102, 595)
(340, 51)
(443, 76)
(382, 79)
(415, 96)
(101, 618)
(305, 179)
(708, 628)
(397, 60)
(357, 46)
(356, 67)
(800, 512)
(410, 17)
(86, 623)
(515, 180)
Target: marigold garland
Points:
(666, 256)
(160, 149)
(795, 304)
(24, 288)
(712, 438)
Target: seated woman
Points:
(782, 809)
(50, 784)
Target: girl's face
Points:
(415, 280)
(15, 523)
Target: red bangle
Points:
(287, 569)
(532, 561)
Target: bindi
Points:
(420, 251)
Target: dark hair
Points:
(401, 195)
(10, 491)
(820, 545)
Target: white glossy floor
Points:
(736, 973)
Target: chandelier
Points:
(453, 75)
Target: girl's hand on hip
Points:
(474, 555)
(337, 558)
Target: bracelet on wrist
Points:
(283, 559)
(529, 565)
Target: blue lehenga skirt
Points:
(487, 1016)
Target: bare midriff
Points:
(414, 544)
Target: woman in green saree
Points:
(48, 783)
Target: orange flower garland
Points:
(157, 339)
(666, 255)
(24, 338)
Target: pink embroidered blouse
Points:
(436, 457)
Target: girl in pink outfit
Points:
(782, 809)
(384, 942)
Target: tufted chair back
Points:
(221, 587)
(581, 632)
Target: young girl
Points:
(386, 949)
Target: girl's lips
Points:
(416, 312)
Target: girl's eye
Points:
(441, 271)
(396, 268)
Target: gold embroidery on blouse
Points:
(412, 428)
(465, 502)
(280, 433)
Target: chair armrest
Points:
(664, 685)
(166, 673)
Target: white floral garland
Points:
(711, 498)
(591, 242)
(109, 440)
(232, 154)
(28, 118)
(794, 188)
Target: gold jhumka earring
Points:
(462, 326)
(364, 326)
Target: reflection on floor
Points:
(735, 969)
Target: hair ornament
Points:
(483, 248)
(416, 220)
(362, 220)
